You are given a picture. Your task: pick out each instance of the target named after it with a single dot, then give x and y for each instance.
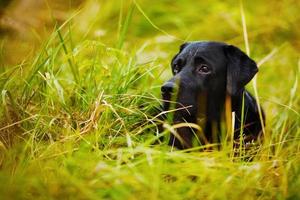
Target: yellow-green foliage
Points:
(77, 120)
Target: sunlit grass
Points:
(78, 121)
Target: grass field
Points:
(77, 120)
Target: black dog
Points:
(205, 75)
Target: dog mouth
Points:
(179, 101)
(166, 97)
(180, 110)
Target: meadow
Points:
(78, 114)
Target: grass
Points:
(78, 120)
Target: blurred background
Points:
(25, 24)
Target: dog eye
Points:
(203, 69)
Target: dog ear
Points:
(240, 69)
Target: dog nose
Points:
(168, 87)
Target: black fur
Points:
(204, 74)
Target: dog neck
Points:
(214, 108)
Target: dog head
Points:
(207, 70)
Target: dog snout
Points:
(168, 88)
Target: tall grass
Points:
(78, 121)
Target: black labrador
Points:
(206, 76)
